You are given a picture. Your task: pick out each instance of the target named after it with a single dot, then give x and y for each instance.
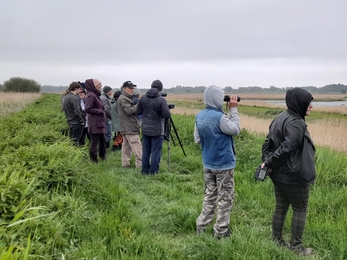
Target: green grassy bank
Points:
(55, 204)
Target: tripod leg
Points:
(168, 154)
(178, 138)
(173, 141)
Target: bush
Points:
(17, 84)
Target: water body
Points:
(314, 103)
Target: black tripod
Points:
(167, 135)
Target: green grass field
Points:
(56, 204)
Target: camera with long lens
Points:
(170, 106)
(260, 173)
(227, 98)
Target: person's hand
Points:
(233, 102)
(263, 165)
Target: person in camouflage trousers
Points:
(214, 131)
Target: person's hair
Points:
(73, 86)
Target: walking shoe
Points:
(280, 242)
(301, 250)
(224, 235)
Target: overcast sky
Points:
(235, 43)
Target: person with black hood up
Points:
(288, 153)
(96, 120)
(154, 110)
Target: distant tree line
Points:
(332, 88)
(17, 84)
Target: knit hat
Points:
(82, 84)
(96, 82)
(117, 94)
(157, 84)
(107, 89)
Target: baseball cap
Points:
(128, 84)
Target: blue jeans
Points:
(108, 134)
(151, 153)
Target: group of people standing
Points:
(287, 152)
(96, 112)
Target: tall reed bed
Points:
(326, 128)
(15, 102)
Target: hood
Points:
(152, 93)
(105, 95)
(213, 97)
(298, 100)
(89, 85)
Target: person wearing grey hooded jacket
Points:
(214, 131)
(105, 97)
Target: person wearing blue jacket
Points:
(214, 131)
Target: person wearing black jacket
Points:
(288, 153)
(154, 110)
(75, 117)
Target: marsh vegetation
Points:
(14, 102)
(56, 204)
(326, 124)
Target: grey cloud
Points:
(84, 35)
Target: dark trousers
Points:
(151, 153)
(97, 144)
(76, 131)
(297, 197)
(84, 135)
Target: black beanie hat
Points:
(157, 84)
(107, 89)
(117, 94)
